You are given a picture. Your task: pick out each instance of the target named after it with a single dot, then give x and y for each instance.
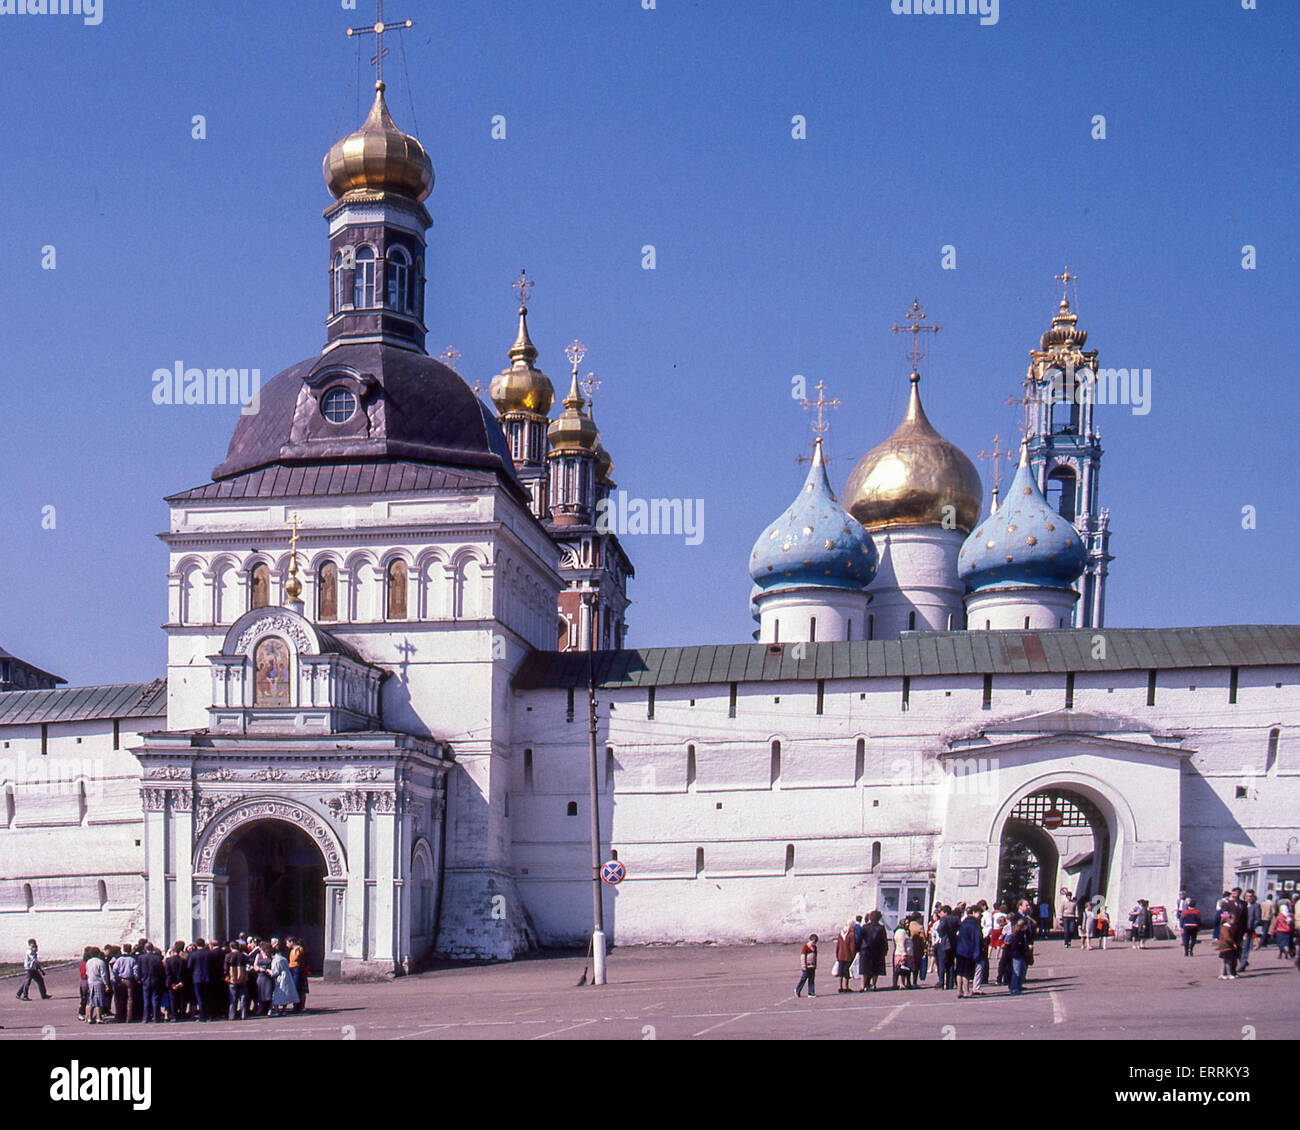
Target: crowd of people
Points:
(970, 946)
(1240, 923)
(202, 981)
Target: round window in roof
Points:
(339, 405)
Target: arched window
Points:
(191, 595)
(327, 592)
(271, 672)
(1061, 492)
(338, 277)
(417, 290)
(102, 892)
(871, 627)
(363, 289)
(572, 809)
(911, 621)
(259, 587)
(1274, 736)
(395, 598)
(399, 280)
(875, 855)
(690, 768)
(775, 774)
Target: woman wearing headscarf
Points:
(846, 949)
(285, 992)
(902, 955)
(97, 980)
(261, 966)
(916, 934)
(875, 949)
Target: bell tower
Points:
(1064, 445)
(380, 178)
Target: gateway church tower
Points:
(337, 710)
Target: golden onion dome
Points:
(378, 157)
(1064, 330)
(914, 477)
(573, 429)
(522, 388)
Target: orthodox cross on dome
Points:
(379, 29)
(915, 318)
(449, 357)
(997, 455)
(1024, 400)
(1065, 279)
(821, 425)
(575, 351)
(524, 286)
(589, 384)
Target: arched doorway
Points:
(274, 885)
(1055, 837)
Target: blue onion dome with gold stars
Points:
(1024, 542)
(815, 543)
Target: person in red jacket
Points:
(808, 964)
(1191, 924)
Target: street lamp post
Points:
(597, 901)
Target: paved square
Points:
(736, 993)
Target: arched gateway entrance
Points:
(270, 882)
(1053, 838)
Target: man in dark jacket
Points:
(177, 974)
(1254, 918)
(216, 980)
(945, 955)
(197, 965)
(1018, 954)
(153, 980)
(970, 939)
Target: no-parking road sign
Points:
(613, 873)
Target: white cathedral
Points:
(385, 607)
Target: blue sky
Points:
(775, 257)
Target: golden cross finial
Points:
(1025, 400)
(478, 387)
(379, 29)
(449, 357)
(293, 588)
(589, 386)
(997, 455)
(915, 317)
(1065, 279)
(524, 286)
(575, 351)
(821, 424)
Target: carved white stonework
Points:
(320, 773)
(208, 806)
(169, 773)
(225, 773)
(154, 800)
(361, 773)
(270, 773)
(268, 809)
(282, 624)
(385, 802)
(182, 800)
